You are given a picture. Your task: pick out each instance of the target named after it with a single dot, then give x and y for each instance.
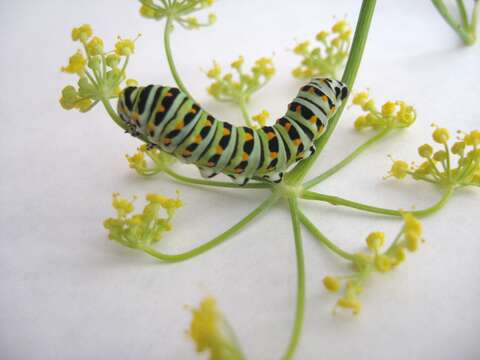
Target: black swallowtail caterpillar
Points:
(174, 123)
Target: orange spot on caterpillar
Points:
(248, 137)
(198, 138)
(273, 155)
(245, 156)
(226, 131)
(270, 135)
(219, 150)
(287, 126)
(324, 98)
(298, 108)
(297, 142)
(186, 153)
(313, 119)
(167, 141)
(161, 108)
(180, 125)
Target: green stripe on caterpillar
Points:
(174, 123)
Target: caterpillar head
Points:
(340, 89)
(126, 103)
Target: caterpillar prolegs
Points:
(174, 123)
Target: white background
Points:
(69, 293)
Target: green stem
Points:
(194, 181)
(217, 240)
(168, 52)
(358, 45)
(309, 184)
(467, 37)
(300, 306)
(323, 239)
(463, 13)
(335, 200)
(246, 116)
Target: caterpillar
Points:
(174, 123)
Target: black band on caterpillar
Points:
(174, 123)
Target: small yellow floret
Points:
(425, 151)
(331, 283)
(301, 47)
(412, 224)
(412, 240)
(340, 26)
(121, 205)
(383, 263)
(76, 64)
(352, 304)
(361, 98)
(237, 64)
(399, 169)
(147, 11)
(95, 46)
(388, 108)
(204, 328)
(215, 71)
(375, 240)
(261, 118)
(82, 33)
(124, 47)
(441, 135)
(322, 35)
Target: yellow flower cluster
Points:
(100, 76)
(211, 332)
(143, 229)
(375, 261)
(455, 165)
(159, 161)
(393, 114)
(329, 57)
(177, 10)
(237, 87)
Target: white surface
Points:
(69, 293)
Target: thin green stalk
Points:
(168, 52)
(358, 45)
(217, 240)
(335, 200)
(323, 239)
(300, 306)
(333, 170)
(463, 13)
(246, 116)
(467, 37)
(194, 181)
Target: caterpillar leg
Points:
(239, 179)
(207, 172)
(274, 177)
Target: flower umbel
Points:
(160, 160)
(393, 114)
(100, 73)
(178, 11)
(211, 332)
(329, 57)
(455, 165)
(239, 85)
(141, 230)
(365, 264)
